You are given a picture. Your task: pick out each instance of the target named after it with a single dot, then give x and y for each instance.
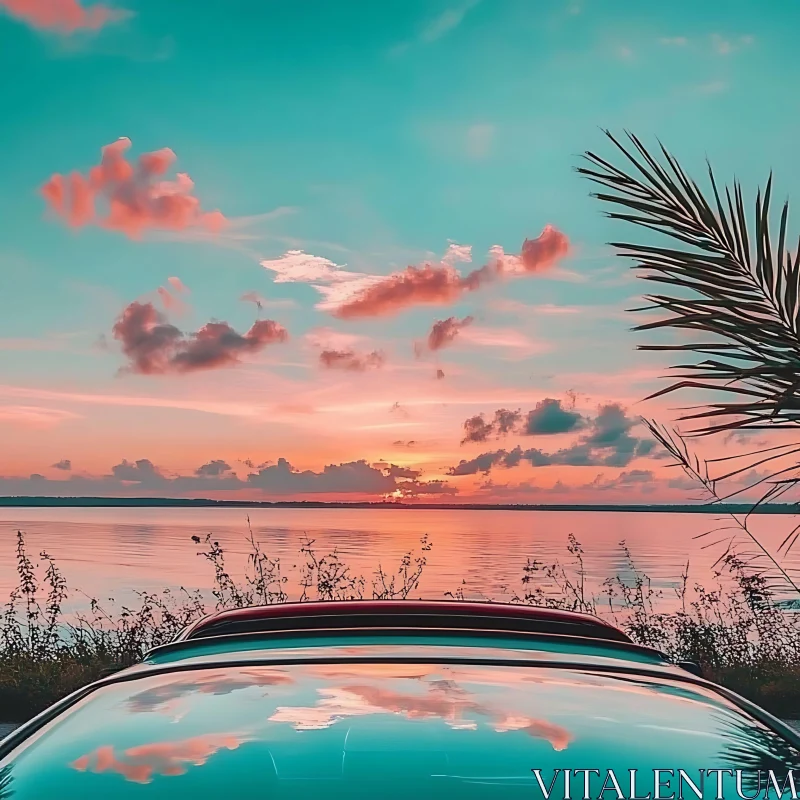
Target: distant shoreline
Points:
(167, 502)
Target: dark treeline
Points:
(178, 502)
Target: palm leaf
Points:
(734, 288)
(6, 790)
(756, 555)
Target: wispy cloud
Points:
(517, 344)
(35, 416)
(721, 45)
(724, 46)
(351, 361)
(226, 409)
(262, 302)
(624, 52)
(437, 27)
(446, 22)
(521, 309)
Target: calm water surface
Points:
(112, 552)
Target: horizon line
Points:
(34, 501)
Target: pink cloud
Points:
(65, 16)
(537, 255)
(350, 360)
(542, 252)
(432, 284)
(136, 198)
(177, 284)
(443, 284)
(169, 299)
(170, 302)
(351, 295)
(156, 347)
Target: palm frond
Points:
(749, 546)
(736, 290)
(6, 790)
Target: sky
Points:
(281, 250)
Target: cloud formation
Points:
(444, 331)
(62, 16)
(608, 442)
(270, 480)
(65, 465)
(548, 417)
(351, 360)
(353, 477)
(477, 429)
(156, 347)
(135, 198)
(356, 295)
(213, 468)
(630, 479)
(394, 471)
(442, 284)
(430, 284)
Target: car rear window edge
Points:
(630, 647)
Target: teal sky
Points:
(372, 135)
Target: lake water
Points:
(112, 552)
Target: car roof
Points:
(469, 615)
(345, 719)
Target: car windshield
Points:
(365, 729)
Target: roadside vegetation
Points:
(736, 630)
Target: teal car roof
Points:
(384, 718)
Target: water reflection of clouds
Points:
(167, 696)
(544, 704)
(444, 700)
(141, 763)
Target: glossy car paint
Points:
(377, 716)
